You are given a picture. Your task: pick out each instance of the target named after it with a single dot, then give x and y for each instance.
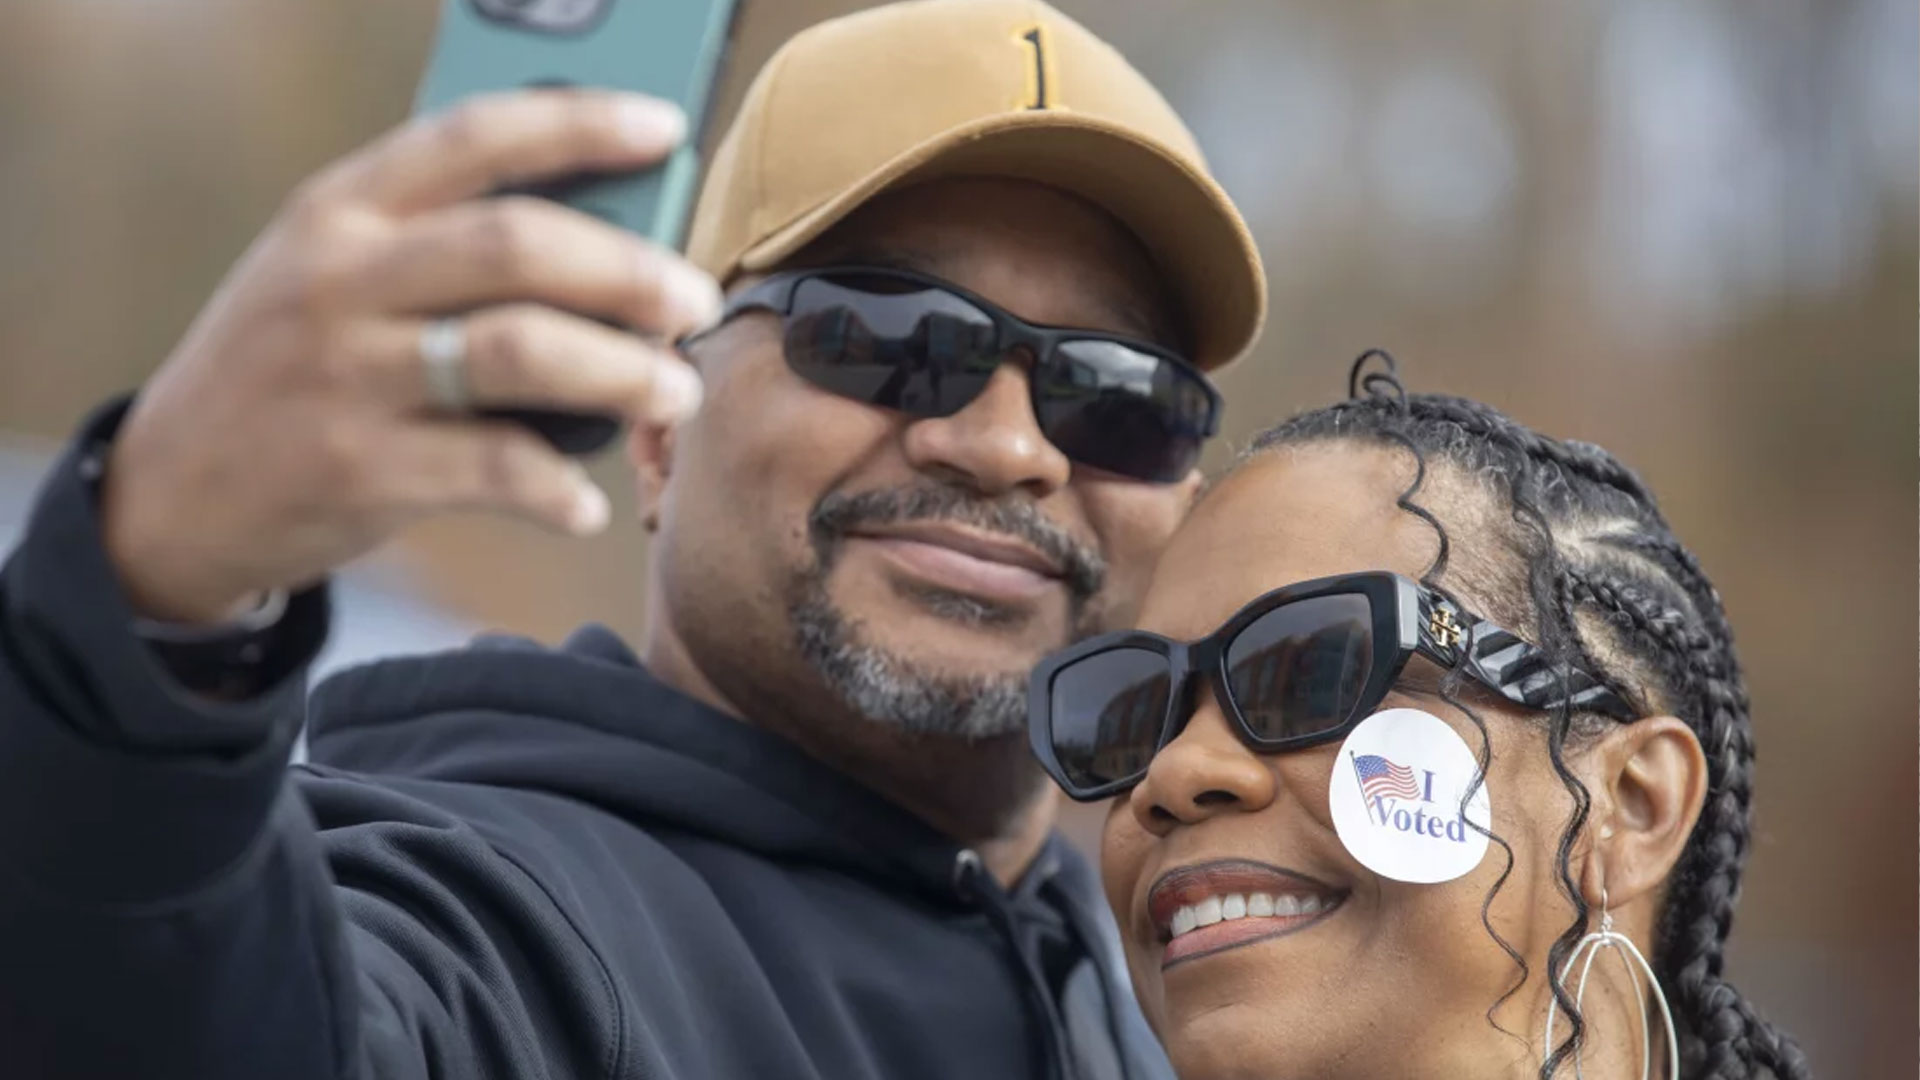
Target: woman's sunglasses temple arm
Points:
(1511, 666)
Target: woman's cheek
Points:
(1123, 852)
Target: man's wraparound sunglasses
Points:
(1297, 667)
(925, 347)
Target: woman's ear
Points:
(1651, 784)
(650, 448)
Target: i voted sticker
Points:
(1396, 798)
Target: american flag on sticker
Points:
(1380, 778)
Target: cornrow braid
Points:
(1722, 1034)
(1605, 585)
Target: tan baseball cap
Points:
(907, 92)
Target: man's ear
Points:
(1648, 790)
(650, 448)
(1194, 486)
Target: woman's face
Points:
(1388, 979)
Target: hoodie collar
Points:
(589, 722)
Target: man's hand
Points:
(291, 430)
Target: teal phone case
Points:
(669, 49)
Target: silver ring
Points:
(443, 353)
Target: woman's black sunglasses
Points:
(1299, 666)
(910, 342)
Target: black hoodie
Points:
(504, 861)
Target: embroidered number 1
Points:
(1033, 38)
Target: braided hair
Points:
(1598, 574)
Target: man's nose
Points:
(994, 444)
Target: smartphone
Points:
(670, 49)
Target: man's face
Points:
(816, 552)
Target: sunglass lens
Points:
(1118, 408)
(1105, 713)
(1298, 670)
(890, 342)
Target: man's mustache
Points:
(839, 513)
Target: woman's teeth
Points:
(1241, 905)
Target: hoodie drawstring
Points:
(1087, 927)
(974, 885)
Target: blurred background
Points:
(1684, 229)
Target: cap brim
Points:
(1185, 220)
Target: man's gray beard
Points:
(889, 690)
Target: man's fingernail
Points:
(676, 395)
(651, 124)
(695, 295)
(591, 511)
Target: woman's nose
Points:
(1206, 770)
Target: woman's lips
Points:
(1231, 931)
(1204, 909)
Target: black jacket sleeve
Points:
(167, 909)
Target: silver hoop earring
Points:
(1636, 965)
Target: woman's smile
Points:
(1199, 910)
